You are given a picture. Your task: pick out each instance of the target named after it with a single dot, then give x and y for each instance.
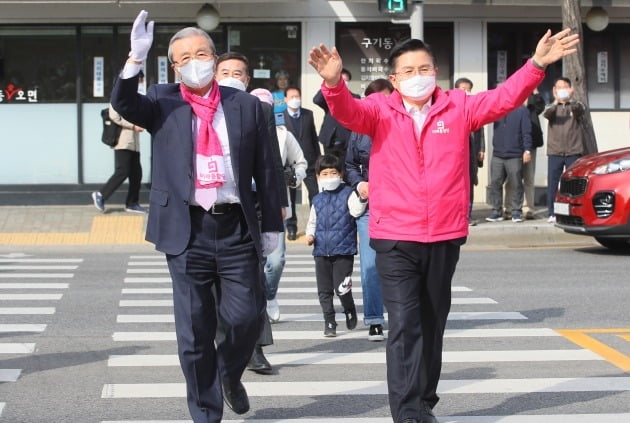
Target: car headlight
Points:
(620, 165)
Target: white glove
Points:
(269, 242)
(141, 37)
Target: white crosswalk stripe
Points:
(302, 349)
(21, 290)
(523, 418)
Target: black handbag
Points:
(111, 131)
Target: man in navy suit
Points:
(209, 144)
(300, 122)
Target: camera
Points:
(289, 176)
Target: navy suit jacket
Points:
(307, 136)
(168, 118)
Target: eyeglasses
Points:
(203, 56)
(408, 72)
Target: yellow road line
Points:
(582, 338)
(113, 229)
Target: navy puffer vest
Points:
(336, 229)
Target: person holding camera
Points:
(295, 171)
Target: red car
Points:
(594, 198)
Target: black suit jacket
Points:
(275, 152)
(168, 118)
(307, 137)
(331, 132)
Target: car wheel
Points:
(614, 244)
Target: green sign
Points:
(392, 6)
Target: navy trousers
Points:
(220, 253)
(416, 282)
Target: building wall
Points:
(317, 18)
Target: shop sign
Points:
(602, 67)
(98, 88)
(365, 51)
(14, 94)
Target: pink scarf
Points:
(210, 167)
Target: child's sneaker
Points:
(351, 318)
(330, 329)
(376, 333)
(345, 286)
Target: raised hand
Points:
(141, 37)
(552, 48)
(327, 63)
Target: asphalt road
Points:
(535, 335)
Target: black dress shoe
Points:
(426, 414)
(235, 396)
(291, 234)
(258, 363)
(410, 421)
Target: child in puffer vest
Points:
(332, 231)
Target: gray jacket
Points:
(565, 136)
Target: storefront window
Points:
(37, 65)
(97, 63)
(510, 46)
(365, 50)
(270, 48)
(605, 53)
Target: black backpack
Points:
(111, 131)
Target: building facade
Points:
(58, 61)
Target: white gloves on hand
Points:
(269, 242)
(141, 37)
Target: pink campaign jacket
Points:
(419, 186)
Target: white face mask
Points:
(294, 103)
(329, 184)
(418, 87)
(197, 73)
(232, 82)
(563, 94)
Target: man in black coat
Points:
(333, 136)
(299, 121)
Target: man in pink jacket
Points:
(419, 190)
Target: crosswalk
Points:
(26, 304)
(490, 352)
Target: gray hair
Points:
(190, 31)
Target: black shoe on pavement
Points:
(426, 414)
(236, 397)
(258, 363)
(330, 329)
(376, 333)
(291, 234)
(351, 318)
(410, 421)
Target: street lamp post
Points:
(416, 20)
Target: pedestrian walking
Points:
(209, 144)
(419, 196)
(357, 174)
(127, 166)
(332, 231)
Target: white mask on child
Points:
(329, 184)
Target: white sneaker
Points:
(345, 286)
(552, 219)
(273, 310)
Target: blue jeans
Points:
(273, 268)
(371, 285)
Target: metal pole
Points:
(416, 20)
